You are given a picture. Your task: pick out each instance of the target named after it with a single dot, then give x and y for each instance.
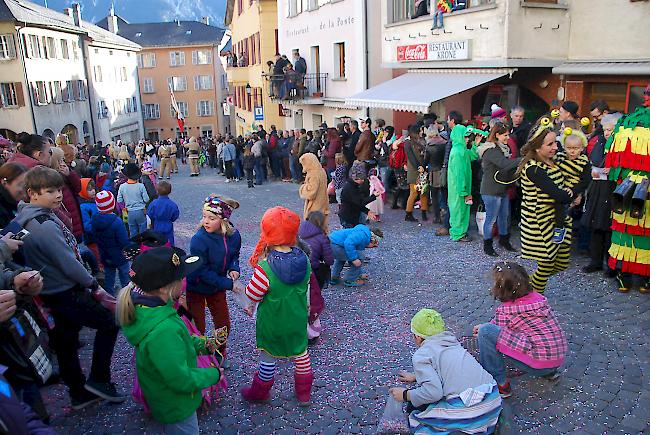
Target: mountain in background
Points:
(146, 11)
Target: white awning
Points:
(614, 67)
(417, 89)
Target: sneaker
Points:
(505, 391)
(465, 239)
(558, 235)
(105, 390)
(227, 181)
(552, 376)
(364, 276)
(356, 283)
(335, 281)
(86, 398)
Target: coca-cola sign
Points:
(434, 51)
(406, 53)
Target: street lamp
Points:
(249, 90)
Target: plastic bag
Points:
(394, 420)
(481, 215)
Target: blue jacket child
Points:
(88, 207)
(348, 246)
(218, 244)
(163, 212)
(111, 238)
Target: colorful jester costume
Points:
(628, 157)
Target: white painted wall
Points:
(129, 126)
(57, 116)
(607, 30)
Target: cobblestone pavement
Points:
(604, 385)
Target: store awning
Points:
(417, 89)
(614, 67)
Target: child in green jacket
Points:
(165, 351)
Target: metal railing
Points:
(294, 86)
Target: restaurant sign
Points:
(434, 51)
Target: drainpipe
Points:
(366, 51)
(27, 85)
(90, 105)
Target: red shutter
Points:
(75, 90)
(259, 48)
(20, 98)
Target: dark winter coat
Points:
(321, 249)
(110, 236)
(17, 418)
(492, 160)
(70, 190)
(8, 207)
(354, 199)
(220, 255)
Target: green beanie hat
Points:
(427, 323)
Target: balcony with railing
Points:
(309, 88)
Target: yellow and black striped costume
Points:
(537, 224)
(572, 170)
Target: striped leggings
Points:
(266, 372)
(545, 269)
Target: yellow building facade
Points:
(254, 29)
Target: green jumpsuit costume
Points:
(459, 181)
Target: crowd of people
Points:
(76, 220)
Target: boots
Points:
(259, 391)
(489, 249)
(303, 388)
(505, 242)
(395, 199)
(424, 216)
(409, 217)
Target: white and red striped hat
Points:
(105, 201)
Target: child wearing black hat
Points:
(172, 384)
(134, 196)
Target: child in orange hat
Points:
(279, 287)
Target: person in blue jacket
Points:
(163, 212)
(348, 245)
(111, 238)
(218, 244)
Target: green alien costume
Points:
(459, 181)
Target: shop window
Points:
(614, 93)
(635, 96)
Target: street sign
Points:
(230, 100)
(258, 111)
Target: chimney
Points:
(68, 12)
(76, 14)
(112, 21)
(205, 20)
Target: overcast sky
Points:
(146, 11)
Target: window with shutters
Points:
(33, 46)
(123, 75)
(134, 103)
(97, 71)
(147, 83)
(205, 107)
(151, 111)
(176, 58)
(57, 94)
(8, 95)
(201, 57)
(202, 83)
(39, 91)
(182, 106)
(65, 54)
(147, 60)
(68, 94)
(7, 47)
(177, 83)
(102, 109)
(75, 50)
(81, 90)
(51, 48)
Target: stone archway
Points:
(71, 132)
(49, 134)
